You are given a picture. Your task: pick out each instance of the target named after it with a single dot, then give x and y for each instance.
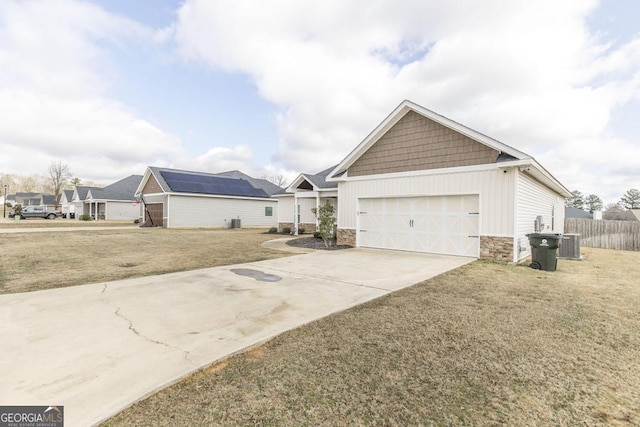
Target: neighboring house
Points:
(571, 212)
(33, 199)
(422, 182)
(66, 204)
(49, 201)
(306, 192)
(620, 215)
(27, 199)
(116, 201)
(77, 205)
(179, 198)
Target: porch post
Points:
(317, 210)
(295, 215)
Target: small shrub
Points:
(300, 230)
(286, 230)
(136, 221)
(273, 230)
(85, 217)
(317, 235)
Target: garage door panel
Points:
(435, 224)
(155, 212)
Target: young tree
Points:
(58, 175)
(631, 199)
(593, 203)
(326, 220)
(576, 200)
(75, 181)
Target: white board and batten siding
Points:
(535, 199)
(494, 188)
(78, 209)
(189, 211)
(306, 213)
(285, 209)
(116, 210)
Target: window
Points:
(268, 211)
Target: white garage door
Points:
(435, 224)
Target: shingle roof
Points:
(124, 189)
(571, 212)
(48, 199)
(628, 215)
(320, 179)
(83, 190)
(68, 194)
(260, 184)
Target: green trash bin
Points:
(544, 251)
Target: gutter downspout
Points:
(516, 225)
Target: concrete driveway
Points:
(96, 349)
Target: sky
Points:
(279, 87)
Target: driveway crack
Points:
(132, 328)
(346, 282)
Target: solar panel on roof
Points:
(208, 184)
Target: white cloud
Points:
(219, 159)
(527, 73)
(55, 73)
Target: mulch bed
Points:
(313, 243)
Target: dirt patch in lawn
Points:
(485, 344)
(36, 261)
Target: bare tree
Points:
(59, 173)
(279, 180)
(26, 184)
(613, 207)
(10, 181)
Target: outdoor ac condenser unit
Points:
(570, 246)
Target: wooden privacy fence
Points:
(623, 235)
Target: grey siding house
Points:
(180, 198)
(116, 201)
